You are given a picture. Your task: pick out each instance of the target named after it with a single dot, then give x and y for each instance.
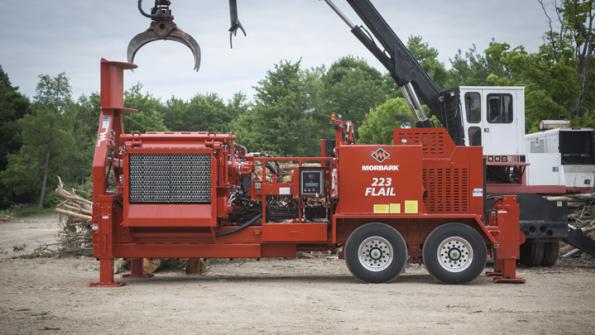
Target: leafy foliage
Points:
(380, 122)
(203, 112)
(427, 57)
(353, 87)
(13, 106)
(282, 119)
(149, 115)
(48, 144)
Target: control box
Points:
(312, 182)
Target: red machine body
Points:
(201, 195)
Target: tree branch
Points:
(551, 31)
(584, 58)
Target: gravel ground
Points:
(310, 296)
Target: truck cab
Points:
(494, 118)
(554, 161)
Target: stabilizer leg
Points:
(506, 272)
(106, 274)
(136, 269)
(507, 250)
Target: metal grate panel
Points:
(435, 141)
(169, 178)
(447, 189)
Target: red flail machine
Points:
(202, 195)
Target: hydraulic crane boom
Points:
(411, 78)
(395, 57)
(414, 83)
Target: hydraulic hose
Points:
(239, 228)
(141, 10)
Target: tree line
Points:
(53, 133)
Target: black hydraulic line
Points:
(142, 11)
(239, 228)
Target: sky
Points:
(50, 37)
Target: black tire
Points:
(532, 253)
(387, 268)
(551, 253)
(468, 250)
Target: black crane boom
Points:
(407, 73)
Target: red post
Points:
(136, 269)
(105, 208)
(508, 243)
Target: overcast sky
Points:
(49, 37)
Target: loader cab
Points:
(494, 118)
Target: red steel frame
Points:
(121, 231)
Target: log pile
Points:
(75, 234)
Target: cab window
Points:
(499, 108)
(474, 136)
(473, 107)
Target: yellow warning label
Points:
(395, 208)
(381, 209)
(411, 207)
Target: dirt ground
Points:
(309, 296)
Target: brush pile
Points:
(74, 238)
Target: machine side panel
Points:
(380, 179)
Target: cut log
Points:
(196, 266)
(73, 214)
(77, 209)
(150, 265)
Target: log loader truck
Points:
(425, 198)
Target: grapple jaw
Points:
(162, 28)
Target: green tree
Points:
(380, 122)
(572, 44)
(13, 106)
(203, 113)
(48, 142)
(237, 106)
(352, 88)
(282, 120)
(497, 65)
(427, 57)
(83, 116)
(149, 116)
(550, 85)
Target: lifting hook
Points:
(163, 28)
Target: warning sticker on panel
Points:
(478, 192)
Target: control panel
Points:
(312, 182)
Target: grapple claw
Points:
(235, 21)
(163, 28)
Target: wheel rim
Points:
(455, 254)
(375, 253)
